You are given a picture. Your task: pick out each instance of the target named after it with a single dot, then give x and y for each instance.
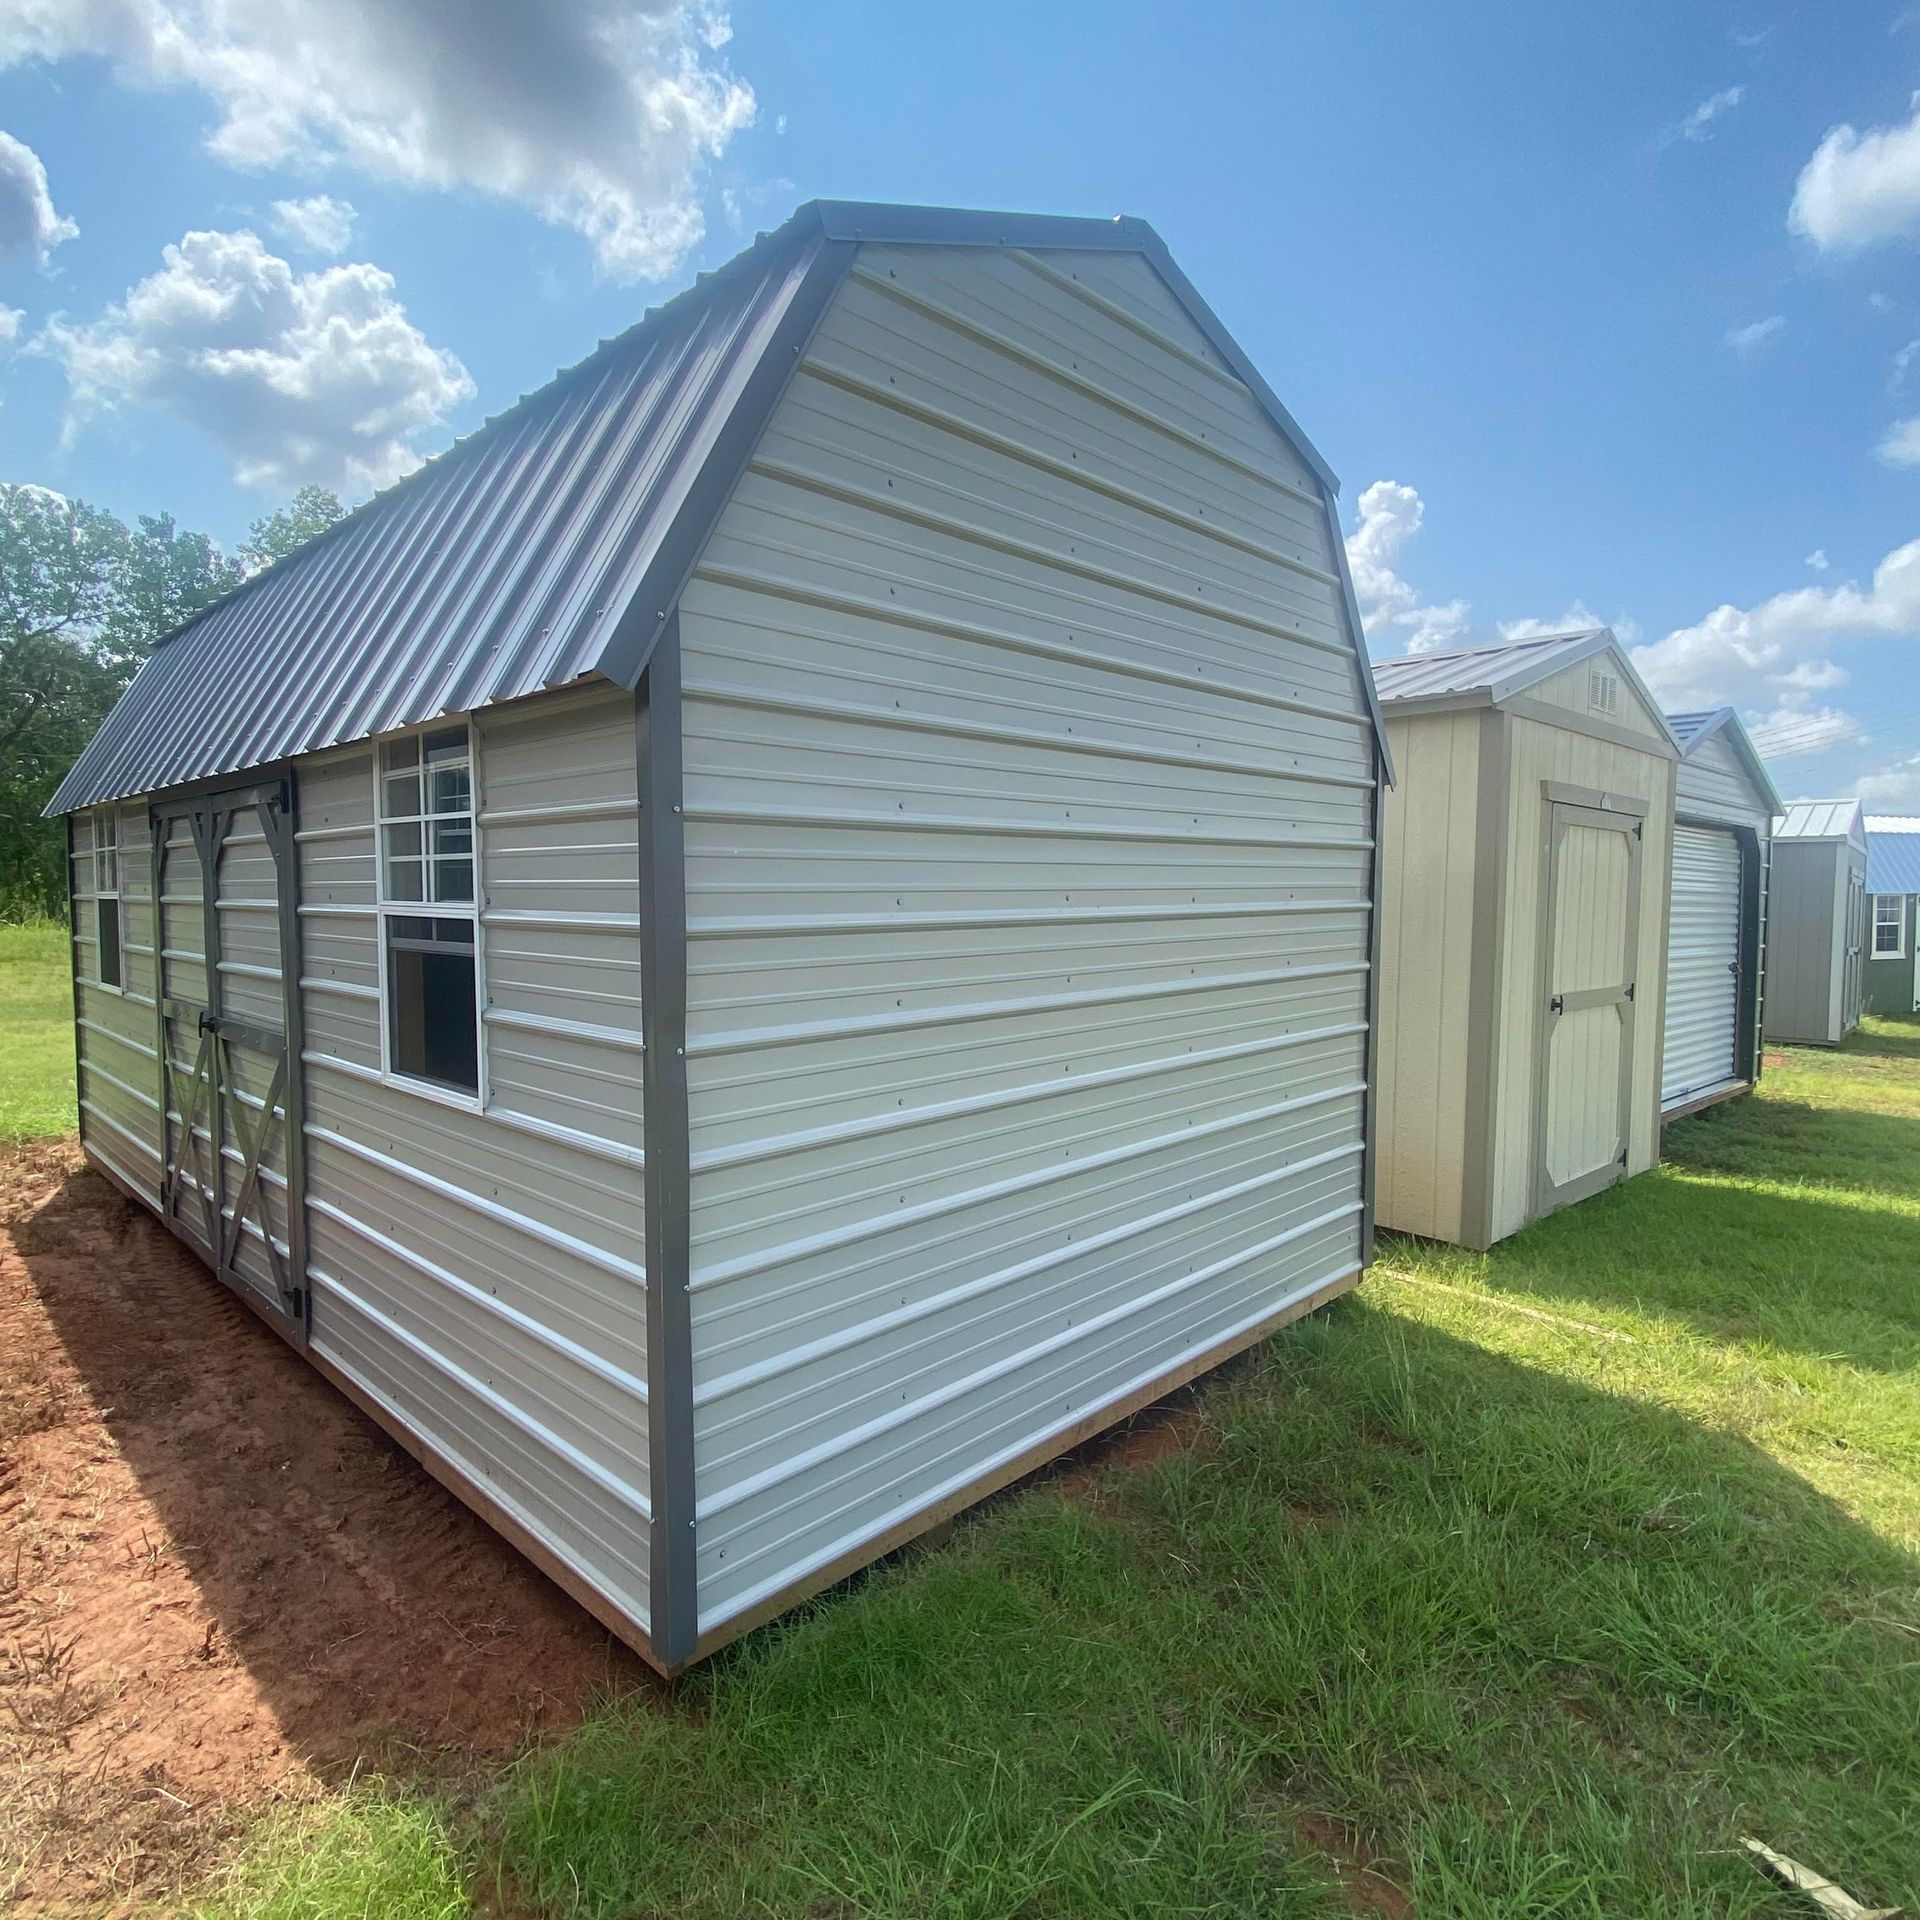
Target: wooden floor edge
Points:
(1017, 1468)
(1668, 1115)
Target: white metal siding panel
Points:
(480, 1275)
(1028, 792)
(1428, 951)
(1543, 753)
(115, 1050)
(1703, 959)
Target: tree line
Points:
(82, 598)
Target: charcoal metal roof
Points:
(552, 543)
(1822, 820)
(1893, 853)
(1487, 676)
(1693, 730)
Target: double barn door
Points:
(229, 1026)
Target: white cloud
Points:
(299, 377)
(10, 318)
(1794, 731)
(1756, 333)
(1818, 560)
(28, 223)
(319, 223)
(1698, 124)
(1860, 188)
(1390, 515)
(1576, 619)
(600, 115)
(1900, 444)
(1771, 660)
(1902, 360)
(1892, 789)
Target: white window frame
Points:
(1898, 951)
(386, 907)
(106, 886)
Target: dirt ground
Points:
(219, 1582)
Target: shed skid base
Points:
(1698, 1102)
(1008, 1471)
(634, 1632)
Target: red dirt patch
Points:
(1362, 1880)
(1158, 1432)
(218, 1580)
(1769, 1061)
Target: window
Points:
(1603, 691)
(108, 966)
(428, 927)
(1889, 926)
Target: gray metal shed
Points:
(1523, 906)
(1724, 806)
(1893, 926)
(782, 933)
(1817, 923)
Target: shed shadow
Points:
(262, 1584)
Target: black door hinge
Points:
(1630, 987)
(1639, 829)
(1558, 1004)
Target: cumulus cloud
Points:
(600, 115)
(1773, 660)
(300, 377)
(28, 223)
(10, 319)
(1892, 789)
(1698, 124)
(1860, 188)
(1818, 560)
(1900, 444)
(1390, 515)
(1756, 333)
(319, 223)
(1577, 619)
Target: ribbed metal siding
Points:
(1703, 958)
(1028, 815)
(115, 1048)
(501, 569)
(480, 1275)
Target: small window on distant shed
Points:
(427, 912)
(1889, 926)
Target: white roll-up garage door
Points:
(1703, 966)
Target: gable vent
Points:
(1603, 691)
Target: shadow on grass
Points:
(1522, 1647)
(1895, 1035)
(279, 1576)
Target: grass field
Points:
(36, 1032)
(1516, 1585)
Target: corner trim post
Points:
(673, 1573)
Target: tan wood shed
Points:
(1524, 931)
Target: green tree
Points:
(163, 576)
(273, 536)
(59, 561)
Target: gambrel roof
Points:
(552, 544)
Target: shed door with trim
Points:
(222, 868)
(1588, 989)
(1703, 966)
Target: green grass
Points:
(36, 1032)
(1525, 1583)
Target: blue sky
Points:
(1595, 310)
